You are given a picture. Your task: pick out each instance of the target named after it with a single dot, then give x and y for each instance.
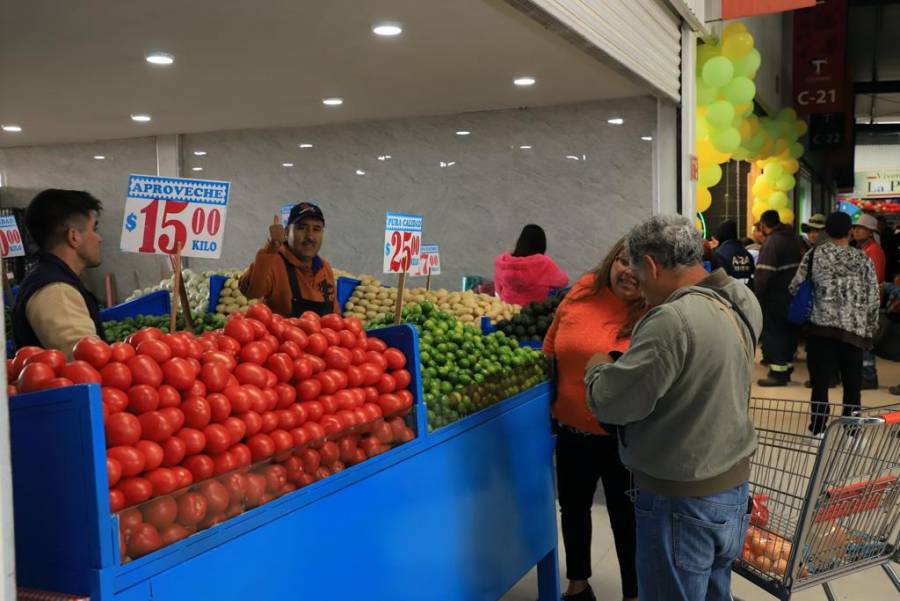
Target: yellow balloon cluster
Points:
(727, 127)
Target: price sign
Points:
(429, 260)
(402, 242)
(10, 238)
(163, 212)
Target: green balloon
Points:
(786, 182)
(705, 94)
(709, 176)
(739, 90)
(796, 150)
(717, 71)
(748, 65)
(727, 140)
(704, 53)
(774, 171)
(720, 114)
(779, 200)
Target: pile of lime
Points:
(464, 371)
(117, 331)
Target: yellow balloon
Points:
(762, 188)
(800, 127)
(786, 215)
(704, 199)
(707, 153)
(758, 209)
(737, 46)
(733, 29)
(791, 166)
(779, 200)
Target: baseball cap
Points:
(305, 210)
(816, 222)
(868, 222)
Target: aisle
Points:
(871, 584)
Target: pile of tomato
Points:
(202, 428)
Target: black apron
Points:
(300, 305)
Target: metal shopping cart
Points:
(823, 507)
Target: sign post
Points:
(402, 245)
(10, 246)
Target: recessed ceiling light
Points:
(384, 157)
(159, 58)
(199, 153)
(196, 168)
(287, 164)
(647, 138)
(525, 147)
(306, 145)
(360, 172)
(13, 129)
(140, 118)
(572, 157)
(615, 121)
(99, 157)
(387, 29)
(524, 81)
(333, 101)
(463, 132)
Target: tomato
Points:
(390, 403)
(234, 484)
(258, 401)
(114, 398)
(254, 489)
(281, 365)
(252, 420)
(348, 339)
(261, 446)
(276, 477)
(177, 372)
(136, 490)
(296, 336)
(339, 377)
(154, 426)
(121, 352)
(129, 520)
(250, 373)
(116, 374)
(291, 349)
(347, 445)
(194, 440)
(223, 463)
(371, 394)
(184, 476)
(152, 452)
(371, 373)
(174, 416)
(277, 327)
(347, 418)
(224, 358)
(353, 324)
(122, 429)
(145, 539)
(375, 344)
(216, 494)
(229, 345)
(116, 500)
(214, 376)
(373, 411)
(269, 421)
(33, 376)
(386, 383)
(315, 434)
(142, 399)
(299, 412)
(299, 436)
(331, 336)
(282, 439)
(407, 398)
(329, 383)
(21, 357)
(113, 470)
(309, 390)
(197, 389)
(238, 398)
(306, 479)
(403, 378)
(197, 412)
(354, 377)
(238, 329)
(330, 453)
(357, 356)
(311, 460)
(217, 438)
(54, 358)
(314, 410)
(329, 405)
(219, 407)
(201, 466)
(394, 358)
(337, 358)
(397, 426)
(310, 327)
(259, 329)
(286, 395)
(377, 358)
(359, 397)
(271, 398)
(156, 349)
(145, 370)
(150, 333)
(174, 451)
(173, 533)
(241, 454)
(254, 352)
(163, 481)
(383, 432)
(92, 350)
(316, 344)
(333, 321)
(192, 509)
(57, 383)
(318, 363)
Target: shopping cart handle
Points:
(891, 418)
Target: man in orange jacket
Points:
(288, 273)
(863, 233)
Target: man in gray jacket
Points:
(680, 395)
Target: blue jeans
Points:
(686, 545)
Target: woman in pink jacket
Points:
(527, 274)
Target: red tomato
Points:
(295, 335)
(311, 460)
(330, 453)
(238, 329)
(219, 407)
(197, 412)
(386, 383)
(359, 397)
(122, 429)
(254, 352)
(201, 466)
(113, 470)
(174, 416)
(216, 494)
(277, 326)
(318, 363)
(217, 438)
(258, 401)
(337, 358)
(390, 403)
(157, 350)
(299, 412)
(339, 377)
(329, 405)
(57, 383)
(286, 394)
(333, 321)
(215, 376)
(228, 345)
(316, 344)
(174, 450)
(194, 440)
(145, 539)
(114, 398)
(184, 476)
(145, 334)
(377, 358)
(309, 390)
(129, 520)
(33, 376)
(168, 397)
(22, 355)
(116, 500)
(254, 489)
(271, 343)
(315, 434)
(136, 490)
(241, 454)
(371, 373)
(403, 378)
(223, 463)
(226, 359)
(406, 397)
(261, 446)
(154, 426)
(163, 480)
(347, 419)
(397, 426)
(178, 345)
(329, 383)
(252, 420)
(235, 485)
(54, 358)
(92, 350)
(121, 352)
(250, 373)
(259, 329)
(291, 349)
(353, 324)
(314, 410)
(299, 436)
(383, 432)
(152, 452)
(142, 399)
(395, 359)
(117, 375)
(173, 533)
(269, 421)
(192, 509)
(276, 477)
(286, 419)
(357, 356)
(177, 372)
(331, 336)
(145, 370)
(373, 411)
(375, 344)
(348, 339)
(282, 439)
(271, 398)
(371, 394)
(281, 365)
(238, 397)
(197, 389)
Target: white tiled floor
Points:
(870, 585)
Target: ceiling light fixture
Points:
(387, 30)
(160, 58)
(463, 132)
(199, 153)
(99, 157)
(335, 101)
(305, 145)
(615, 121)
(524, 81)
(525, 147)
(141, 118)
(287, 164)
(647, 138)
(360, 172)
(384, 157)
(13, 129)
(196, 168)
(572, 157)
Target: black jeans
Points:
(582, 460)
(778, 340)
(824, 357)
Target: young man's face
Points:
(87, 241)
(860, 234)
(305, 238)
(813, 235)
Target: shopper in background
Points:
(53, 307)
(889, 246)
(844, 316)
(527, 274)
(864, 231)
(288, 273)
(731, 255)
(680, 394)
(813, 230)
(596, 316)
(778, 260)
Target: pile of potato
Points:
(231, 299)
(371, 301)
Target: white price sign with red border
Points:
(10, 238)
(402, 242)
(429, 260)
(163, 212)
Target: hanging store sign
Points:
(820, 56)
(883, 183)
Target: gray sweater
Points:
(681, 390)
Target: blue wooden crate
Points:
(155, 303)
(345, 288)
(216, 283)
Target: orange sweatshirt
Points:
(581, 329)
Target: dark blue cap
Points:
(305, 210)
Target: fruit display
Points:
(231, 299)
(118, 331)
(196, 285)
(533, 321)
(464, 371)
(201, 428)
(365, 279)
(765, 551)
(372, 301)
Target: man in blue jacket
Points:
(731, 255)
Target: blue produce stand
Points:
(345, 288)
(155, 303)
(461, 513)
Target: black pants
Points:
(581, 460)
(824, 357)
(778, 339)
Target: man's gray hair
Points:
(672, 240)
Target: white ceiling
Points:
(73, 71)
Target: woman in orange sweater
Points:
(596, 316)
